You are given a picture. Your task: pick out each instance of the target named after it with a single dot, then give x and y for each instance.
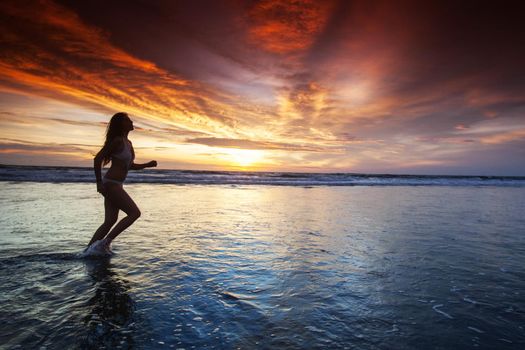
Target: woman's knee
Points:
(135, 214)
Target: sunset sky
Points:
(411, 87)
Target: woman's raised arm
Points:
(151, 164)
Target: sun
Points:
(243, 157)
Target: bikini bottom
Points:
(105, 180)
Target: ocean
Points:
(181, 177)
(240, 260)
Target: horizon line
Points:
(2, 165)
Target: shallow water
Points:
(226, 267)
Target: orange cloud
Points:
(72, 60)
(259, 145)
(287, 26)
(504, 137)
(324, 87)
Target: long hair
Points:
(115, 129)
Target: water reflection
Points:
(222, 267)
(111, 309)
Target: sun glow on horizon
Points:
(242, 157)
(306, 85)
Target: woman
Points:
(119, 150)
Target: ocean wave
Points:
(85, 175)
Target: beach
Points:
(308, 174)
(229, 266)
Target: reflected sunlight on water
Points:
(225, 267)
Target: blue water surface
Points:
(265, 267)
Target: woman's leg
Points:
(110, 217)
(120, 199)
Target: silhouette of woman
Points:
(119, 150)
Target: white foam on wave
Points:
(66, 175)
(477, 330)
(98, 248)
(469, 300)
(436, 309)
(394, 329)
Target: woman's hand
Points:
(152, 164)
(101, 189)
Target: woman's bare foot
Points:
(106, 246)
(98, 248)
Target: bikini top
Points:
(125, 155)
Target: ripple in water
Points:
(216, 267)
